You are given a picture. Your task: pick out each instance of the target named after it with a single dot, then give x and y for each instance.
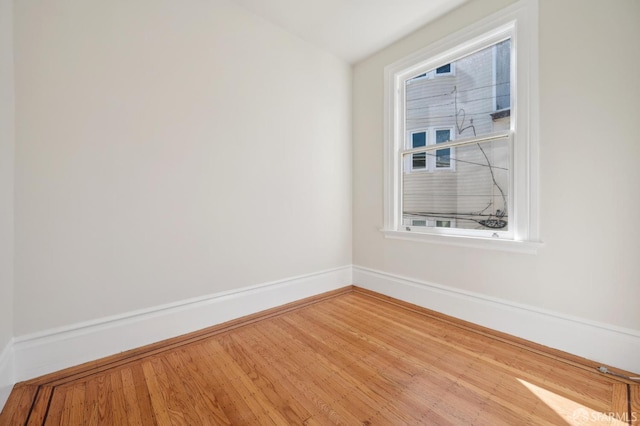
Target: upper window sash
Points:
(476, 44)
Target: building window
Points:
(444, 70)
(441, 223)
(464, 125)
(419, 140)
(443, 156)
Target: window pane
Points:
(475, 196)
(419, 161)
(443, 135)
(418, 139)
(503, 75)
(443, 156)
(443, 69)
(465, 101)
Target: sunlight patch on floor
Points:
(574, 413)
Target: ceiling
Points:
(351, 29)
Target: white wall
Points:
(6, 198)
(6, 172)
(167, 150)
(589, 103)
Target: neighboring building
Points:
(466, 186)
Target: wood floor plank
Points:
(40, 406)
(307, 379)
(77, 412)
(181, 405)
(198, 386)
(268, 385)
(18, 406)
(193, 398)
(118, 402)
(530, 366)
(620, 401)
(93, 391)
(634, 403)
(351, 358)
(235, 406)
(362, 396)
(209, 383)
(287, 379)
(156, 392)
(143, 394)
(131, 403)
(67, 407)
(56, 407)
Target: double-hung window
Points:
(461, 136)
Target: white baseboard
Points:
(53, 350)
(604, 343)
(6, 372)
(33, 355)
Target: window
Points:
(443, 156)
(418, 140)
(431, 222)
(444, 70)
(461, 151)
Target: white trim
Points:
(600, 342)
(7, 378)
(485, 243)
(52, 350)
(519, 22)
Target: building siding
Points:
(463, 101)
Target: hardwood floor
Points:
(349, 357)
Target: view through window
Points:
(456, 157)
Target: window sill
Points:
(527, 247)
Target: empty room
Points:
(361, 212)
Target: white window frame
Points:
(520, 22)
